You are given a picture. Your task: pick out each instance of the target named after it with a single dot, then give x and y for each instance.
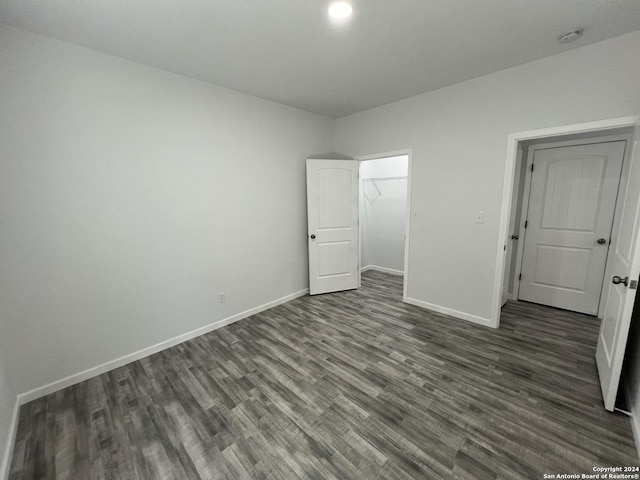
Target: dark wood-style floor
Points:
(353, 385)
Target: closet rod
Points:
(377, 179)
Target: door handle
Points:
(514, 237)
(616, 280)
(313, 236)
(602, 241)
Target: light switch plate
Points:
(479, 217)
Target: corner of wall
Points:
(486, 322)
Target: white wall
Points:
(459, 135)
(383, 212)
(7, 404)
(129, 197)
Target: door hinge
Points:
(532, 167)
(526, 222)
(519, 276)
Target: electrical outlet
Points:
(222, 297)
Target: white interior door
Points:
(571, 204)
(620, 283)
(332, 212)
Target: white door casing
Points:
(572, 200)
(617, 298)
(332, 214)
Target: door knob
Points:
(616, 280)
(602, 241)
(313, 236)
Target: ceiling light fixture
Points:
(571, 36)
(340, 10)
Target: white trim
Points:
(391, 271)
(360, 197)
(5, 465)
(589, 140)
(360, 204)
(634, 418)
(376, 156)
(510, 258)
(507, 188)
(524, 215)
(145, 352)
(407, 236)
(449, 311)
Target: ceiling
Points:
(289, 52)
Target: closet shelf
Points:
(377, 179)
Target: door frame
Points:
(510, 258)
(407, 234)
(513, 141)
(531, 150)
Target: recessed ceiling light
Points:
(340, 10)
(571, 36)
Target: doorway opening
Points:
(563, 203)
(622, 261)
(514, 157)
(384, 213)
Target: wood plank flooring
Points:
(352, 385)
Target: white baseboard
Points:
(5, 464)
(449, 311)
(382, 269)
(634, 418)
(38, 392)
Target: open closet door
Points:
(621, 279)
(332, 213)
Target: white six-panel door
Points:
(332, 209)
(571, 205)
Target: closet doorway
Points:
(384, 187)
(564, 199)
